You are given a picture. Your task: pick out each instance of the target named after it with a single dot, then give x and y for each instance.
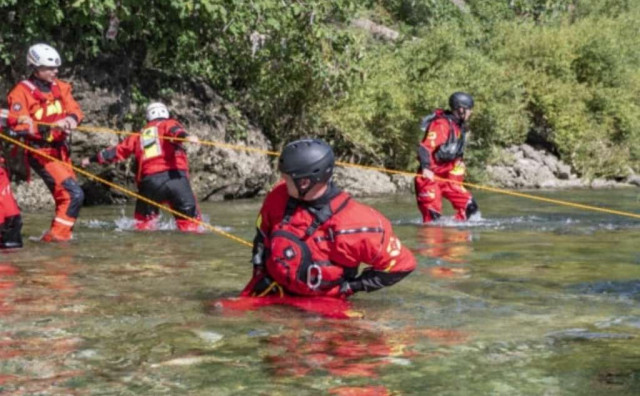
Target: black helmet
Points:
(460, 99)
(307, 159)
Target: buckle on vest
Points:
(314, 280)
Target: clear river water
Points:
(529, 298)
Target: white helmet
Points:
(43, 55)
(157, 110)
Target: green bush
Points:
(562, 73)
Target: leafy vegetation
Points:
(563, 74)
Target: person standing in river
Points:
(442, 168)
(10, 217)
(43, 111)
(311, 236)
(163, 168)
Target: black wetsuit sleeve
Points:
(424, 157)
(107, 155)
(178, 131)
(372, 280)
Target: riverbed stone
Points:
(603, 183)
(363, 182)
(634, 179)
(403, 182)
(523, 166)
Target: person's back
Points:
(159, 151)
(162, 171)
(443, 129)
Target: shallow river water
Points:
(529, 299)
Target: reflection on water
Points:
(450, 248)
(352, 350)
(33, 341)
(529, 299)
(449, 244)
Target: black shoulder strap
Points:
(452, 132)
(320, 216)
(460, 142)
(292, 204)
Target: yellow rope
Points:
(129, 192)
(507, 192)
(389, 171)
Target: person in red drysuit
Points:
(442, 168)
(311, 236)
(10, 217)
(43, 111)
(163, 168)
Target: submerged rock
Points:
(621, 289)
(584, 334)
(191, 360)
(629, 321)
(634, 179)
(210, 337)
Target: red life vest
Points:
(299, 257)
(158, 154)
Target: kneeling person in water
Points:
(311, 236)
(162, 168)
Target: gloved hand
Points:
(31, 127)
(193, 139)
(258, 257)
(258, 260)
(427, 174)
(67, 123)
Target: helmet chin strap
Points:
(303, 191)
(459, 114)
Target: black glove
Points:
(257, 259)
(258, 254)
